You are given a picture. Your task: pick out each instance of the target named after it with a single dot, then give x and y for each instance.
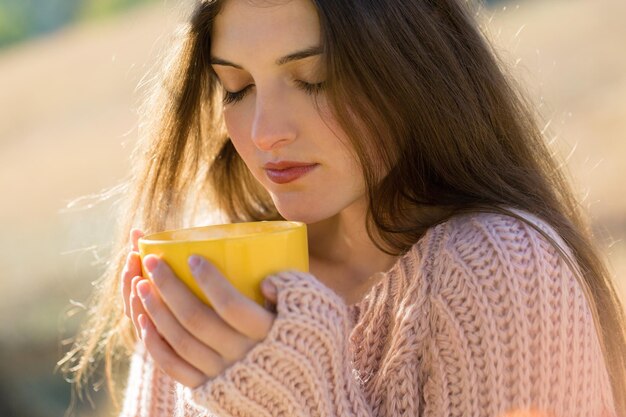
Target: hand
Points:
(131, 275)
(188, 340)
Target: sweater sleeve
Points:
(302, 367)
(512, 333)
(149, 391)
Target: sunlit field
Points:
(68, 122)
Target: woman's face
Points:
(298, 154)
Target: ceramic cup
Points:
(245, 253)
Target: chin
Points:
(307, 218)
(305, 213)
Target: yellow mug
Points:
(245, 253)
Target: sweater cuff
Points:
(301, 368)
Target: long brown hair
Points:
(422, 97)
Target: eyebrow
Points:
(295, 56)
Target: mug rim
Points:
(155, 238)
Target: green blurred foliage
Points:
(13, 22)
(100, 8)
(23, 19)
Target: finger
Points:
(269, 306)
(196, 317)
(240, 312)
(135, 234)
(132, 268)
(184, 344)
(269, 291)
(166, 358)
(136, 306)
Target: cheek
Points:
(238, 130)
(235, 121)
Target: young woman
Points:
(451, 271)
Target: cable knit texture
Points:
(482, 317)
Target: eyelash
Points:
(311, 89)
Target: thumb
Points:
(268, 288)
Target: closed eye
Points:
(234, 97)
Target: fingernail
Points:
(150, 263)
(143, 288)
(268, 288)
(194, 262)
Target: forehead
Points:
(245, 28)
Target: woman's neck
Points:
(342, 253)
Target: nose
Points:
(272, 126)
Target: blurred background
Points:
(70, 84)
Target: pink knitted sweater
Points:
(481, 317)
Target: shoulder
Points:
(502, 233)
(492, 261)
(493, 249)
(506, 311)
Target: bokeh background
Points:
(71, 76)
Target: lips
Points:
(284, 172)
